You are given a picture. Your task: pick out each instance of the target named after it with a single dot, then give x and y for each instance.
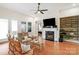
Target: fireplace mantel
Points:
(50, 29)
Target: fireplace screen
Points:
(50, 35)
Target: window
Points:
(23, 26)
(14, 26)
(3, 28)
(29, 26)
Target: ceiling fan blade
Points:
(44, 10)
(41, 12)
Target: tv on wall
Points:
(49, 22)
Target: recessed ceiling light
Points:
(73, 4)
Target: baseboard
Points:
(73, 41)
(3, 41)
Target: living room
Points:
(39, 28)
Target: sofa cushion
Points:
(25, 37)
(25, 48)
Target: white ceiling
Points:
(28, 8)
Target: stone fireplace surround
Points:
(50, 29)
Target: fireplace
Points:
(50, 35)
(55, 33)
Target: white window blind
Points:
(3, 28)
(14, 25)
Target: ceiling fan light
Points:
(38, 12)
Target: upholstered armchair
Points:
(38, 41)
(11, 46)
(17, 48)
(22, 49)
(23, 36)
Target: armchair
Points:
(17, 48)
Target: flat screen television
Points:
(49, 22)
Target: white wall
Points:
(69, 12)
(9, 14)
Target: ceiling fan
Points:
(39, 10)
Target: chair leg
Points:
(9, 52)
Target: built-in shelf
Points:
(70, 25)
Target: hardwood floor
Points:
(50, 48)
(4, 49)
(60, 48)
